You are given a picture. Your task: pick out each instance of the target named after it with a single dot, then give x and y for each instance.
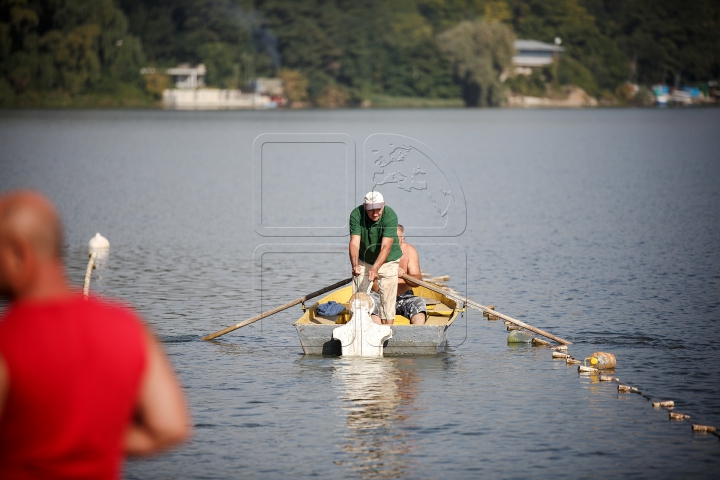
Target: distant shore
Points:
(137, 100)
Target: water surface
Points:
(601, 226)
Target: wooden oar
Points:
(483, 308)
(278, 309)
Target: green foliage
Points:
(332, 96)
(584, 42)
(480, 53)
(156, 83)
(531, 85)
(342, 52)
(386, 101)
(229, 37)
(295, 84)
(69, 45)
(7, 94)
(572, 72)
(663, 37)
(223, 67)
(368, 47)
(497, 11)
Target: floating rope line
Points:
(598, 360)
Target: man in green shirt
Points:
(375, 251)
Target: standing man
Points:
(82, 382)
(375, 251)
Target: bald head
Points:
(30, 243)
(30, 218)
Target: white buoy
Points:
(361, 336)
(98, 248)
(98, 242)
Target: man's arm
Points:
(413, 266)
(161, 416)
(4, 384)
(385, 247)
(354, 249)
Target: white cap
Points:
(373, 200)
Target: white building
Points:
(214, 99)
(190, 92)
(534, 54)
(186, 76)
(269, 86)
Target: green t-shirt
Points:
(371, 233)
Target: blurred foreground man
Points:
(375, 251)
(82, 382)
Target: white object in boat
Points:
(361, 337)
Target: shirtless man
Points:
(82, 382)
(407, 304)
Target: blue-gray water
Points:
(601, 226)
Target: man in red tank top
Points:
(82, 382)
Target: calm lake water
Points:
(601, 226)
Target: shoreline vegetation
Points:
(374, 54)
(89, 101)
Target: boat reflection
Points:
(376, 394)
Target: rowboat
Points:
(316, 331)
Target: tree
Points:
(663, 37)
(295, 84)
(66, 44)
(479, 52)
(228, 36)
(583, 40)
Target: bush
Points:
(332, 96)
(572, 72)
(156, 83)
(7, 94)
(530, 85)
(295, 84)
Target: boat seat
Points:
(321, 320)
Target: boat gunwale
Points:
(425, 293)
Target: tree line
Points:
(344, 52)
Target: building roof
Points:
(537, 46)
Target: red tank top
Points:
(75, 368)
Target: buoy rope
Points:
(88, 274)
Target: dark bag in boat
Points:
(329, 309)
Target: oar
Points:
(278, 309)
(483, 308)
